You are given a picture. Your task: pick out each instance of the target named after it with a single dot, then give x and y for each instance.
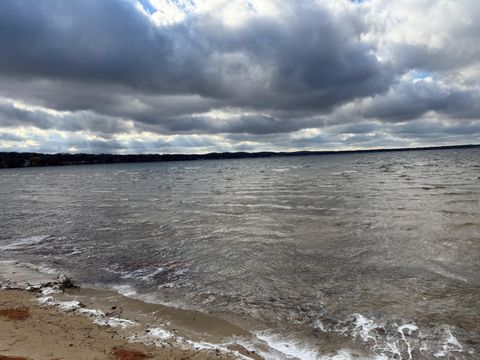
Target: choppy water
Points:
(315, 254)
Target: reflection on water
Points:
(348, 246)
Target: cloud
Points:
(413, 97)
(242, 74)
(18, 115)
(259, 63)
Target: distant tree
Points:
(35, 160)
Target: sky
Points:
(192, 76)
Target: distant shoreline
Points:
(30, 159)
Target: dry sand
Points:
(31, 331)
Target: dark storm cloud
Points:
(261, 64)
(10, 137)
(90, 41)
(308, 60)
(254, 124)
(109, 70)
(432, 129)
(12, 116)
(411, 99)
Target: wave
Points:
(400, 340)
(25, 242)
(394, 339)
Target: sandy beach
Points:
(38, 321)
(30, 331)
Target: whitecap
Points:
(24, 242)
(364, 326)
(449, 344)
(407, 329)
(285, 348)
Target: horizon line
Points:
(433, 147)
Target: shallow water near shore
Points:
(375, 254)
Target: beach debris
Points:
(115, 311)
(21, 313)
(3, 357)
(67, 283)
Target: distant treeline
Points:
(16, 159)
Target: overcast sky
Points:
(195, 76)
